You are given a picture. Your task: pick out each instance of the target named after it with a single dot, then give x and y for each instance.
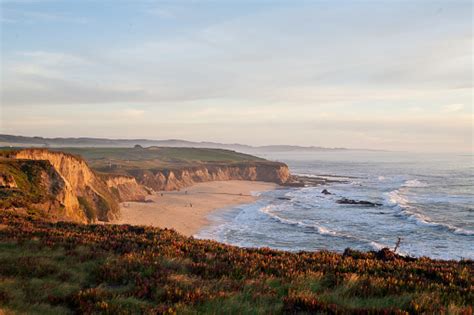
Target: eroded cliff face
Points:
(125, 188)
(84, 195)
(63, 184)
(37, 186)
(7, 181)
(174, 179)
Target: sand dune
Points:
(186, 210)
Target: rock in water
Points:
(346, 201)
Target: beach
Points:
(186, 210)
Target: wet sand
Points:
(186, 211)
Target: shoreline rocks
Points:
(346, 201)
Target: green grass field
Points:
(118, 160)
(164, 154)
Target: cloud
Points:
(45, 77)
(133, 113)
(342, 67)
(29, 16)
(452, 108)
(415, 109)
(161, 13)
(299, 54)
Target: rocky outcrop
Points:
(346, 201)
(311, 181)
(7, 181)
(175, 179)
(125, 188)
(83, 194)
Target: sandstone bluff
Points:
(64, 186)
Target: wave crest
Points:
(414, 183)
(320, 229)
(402, 204)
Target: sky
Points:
(392, 75)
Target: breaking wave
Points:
(414, 183)
(319, 229)
(405, 209)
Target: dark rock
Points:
(326, 192)
(386, 254)
(310, 181)
(346, 201)
(294, 184)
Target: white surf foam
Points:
(376, 245)
(320, 229)
(402, 204)
(414, 183)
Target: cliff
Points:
(37, 186)
(174, 179)
(80, 194)
(63, 184)
(125, 188)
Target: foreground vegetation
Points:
(56, 268)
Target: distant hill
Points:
(21, 141)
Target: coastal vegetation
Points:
(64, 268)
(114, 159)
(21, 183)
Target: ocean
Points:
(427, 200)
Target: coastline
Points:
(186, 210)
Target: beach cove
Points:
(186, 210)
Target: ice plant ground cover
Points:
(56, 268)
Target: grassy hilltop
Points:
(156, 157)
(162, 157)
(65, 268)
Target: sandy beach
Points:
(186, 210)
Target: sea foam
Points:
(405, 209)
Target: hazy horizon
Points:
(375, 75)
